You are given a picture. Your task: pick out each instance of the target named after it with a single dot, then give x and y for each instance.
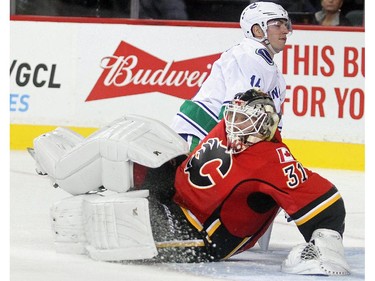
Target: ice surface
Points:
(33, 257)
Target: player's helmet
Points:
(261, 13)
(249, 118)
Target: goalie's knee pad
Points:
(323, 255)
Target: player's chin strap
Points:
(323, 255)
(269, 46)
(105, 158)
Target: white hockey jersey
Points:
(244, 66)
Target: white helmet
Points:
(261, 13)
(249, 118)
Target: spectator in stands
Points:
(330, 14)
(163, 9)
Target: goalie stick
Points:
(264, 241)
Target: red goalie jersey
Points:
(233, 198)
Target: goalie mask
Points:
(249, 118)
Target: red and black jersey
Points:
(233, 198)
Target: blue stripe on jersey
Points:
(198, 116)
(207, 110)
(192, 123)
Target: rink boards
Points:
(84, 73)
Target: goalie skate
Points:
(323, 255)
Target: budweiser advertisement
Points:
(132, 71)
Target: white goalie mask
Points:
(249, 118)
(261, 13)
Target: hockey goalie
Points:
(135, 193)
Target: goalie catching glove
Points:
(323, 255)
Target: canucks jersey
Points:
(240, 68)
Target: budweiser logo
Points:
(131, 71)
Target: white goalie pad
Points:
(51, 146)
(142, 140)
(323, 255)
(106, 157)
(109, 228)
(118, 228)
(67, 225)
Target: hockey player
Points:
(266, 26)
(222, 199)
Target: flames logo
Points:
(209, 164)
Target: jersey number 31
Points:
(296, 174)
